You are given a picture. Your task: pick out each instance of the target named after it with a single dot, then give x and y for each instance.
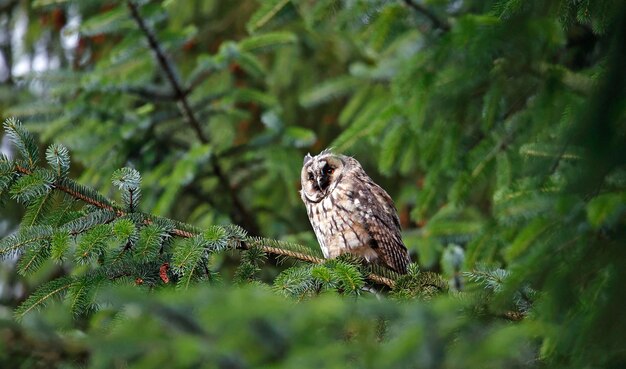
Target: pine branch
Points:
(59, 159)
(14, 243)
(37, 209)
(43, 295)
(295, 282)
(381, 280)
(32, 259)
(23, 141)
(28, 188)
(75, 193)
(95, 223)
(288, 249)
(149, 243)
(289, 253)
(268, 246)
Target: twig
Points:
(381, 280)
(291, 253)
(241, 214)
(437, 23)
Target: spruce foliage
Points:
(155, 179)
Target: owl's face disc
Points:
(320, 175)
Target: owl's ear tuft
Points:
(307, 158)
(328, 150)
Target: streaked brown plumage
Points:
(349, 212)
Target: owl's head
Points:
(321, 174)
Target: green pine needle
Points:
(81, 295)
(187, 254)
(30, 187)
(54, 289)
(38, 209)
(58, 158)
(149, 243)
(348, 277)
(23, 141)
(89, 221)
(488, 277)
(59, 245)
(33, 258)
(216, 238)
(295, 282)
(92, 243)
(25, 237)
(128, 180)
(7, 174)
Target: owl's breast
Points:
(338, 229)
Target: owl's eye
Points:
(329, 170)
(311, 176)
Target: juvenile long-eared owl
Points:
(349, 212)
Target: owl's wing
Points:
(380, 218)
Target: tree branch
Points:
(241, 214)
(437, 23)
(179, 93)
(187, 234)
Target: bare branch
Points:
(240, 214)
(179, 92)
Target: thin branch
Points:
(179, 93)
(381, 280)
(241, 214)
(187, 234)
(290, 253)
(437, 23)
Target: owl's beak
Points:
(319, 183)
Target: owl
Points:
(349, 212)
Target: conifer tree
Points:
(155, 175)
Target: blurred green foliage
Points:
(498, 127)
